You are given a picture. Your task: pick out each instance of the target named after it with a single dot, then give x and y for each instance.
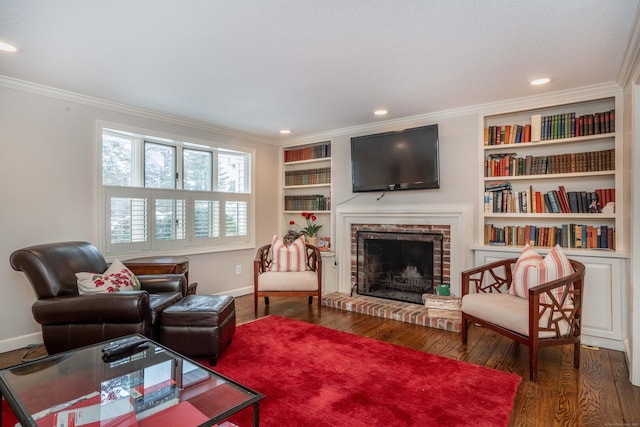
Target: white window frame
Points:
(190, 244)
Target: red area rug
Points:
(315, 376)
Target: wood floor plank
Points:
(598, 404)
(566, 400)
(628, 395)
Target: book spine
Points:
(536, 127)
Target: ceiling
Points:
(312, 66)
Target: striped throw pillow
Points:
(288, 258)
(532, 270)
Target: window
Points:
(159, 194)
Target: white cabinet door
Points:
(603, 307)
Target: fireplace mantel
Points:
(457, 215)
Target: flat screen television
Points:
(391, 161)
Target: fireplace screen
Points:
(399, 266)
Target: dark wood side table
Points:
(161, 265)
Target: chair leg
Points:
(310, 300)
(255, 305)
(266, 300)
(464, 331)
(533, 361)
(576, 355)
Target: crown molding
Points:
(78, 98)
(569, 96)
(630, 69)
(537, 101)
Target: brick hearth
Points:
(436, 317)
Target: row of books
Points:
(507, 134)
(571, 236)
(308, 176)
(557, 126)
(502, 199)
(509, 164)
(567, 125)
(320, 151)
(307, 203)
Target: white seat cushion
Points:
(505, 310)
(288, 281)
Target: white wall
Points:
(458, 137)
(47, 175)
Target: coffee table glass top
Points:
(151, 387)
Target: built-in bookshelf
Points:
(562, 183)
(549, 177)
(307, 184)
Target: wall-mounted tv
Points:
(391, 161)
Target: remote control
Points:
(122, 346)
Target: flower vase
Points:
(313, 240)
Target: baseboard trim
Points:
(237, 292)
(22, 341)
(602, 342)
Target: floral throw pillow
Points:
(532, 270)
(288, 258)
(117, 278)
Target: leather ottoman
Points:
(199, 326)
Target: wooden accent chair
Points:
(532, 322)
(268, 283)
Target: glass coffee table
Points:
(148, 386)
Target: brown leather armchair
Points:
(70, 320)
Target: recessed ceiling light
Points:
(6, 47)
(380, 112)
(538, 82)
(285, 131)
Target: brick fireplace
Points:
(453, 221)
(399, 261)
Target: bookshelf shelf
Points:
(553, 176)
(547, 143)
(308, 186)
(309, 161)
(552, 216)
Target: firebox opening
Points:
(398, 266)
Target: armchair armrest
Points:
(116, 307)
(158, 283)
(488, 278)
(560, 306)
(314, 258)
(262, 261)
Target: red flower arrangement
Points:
(311, 228)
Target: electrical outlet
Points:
(238, 269)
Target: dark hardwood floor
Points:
(598, 394)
